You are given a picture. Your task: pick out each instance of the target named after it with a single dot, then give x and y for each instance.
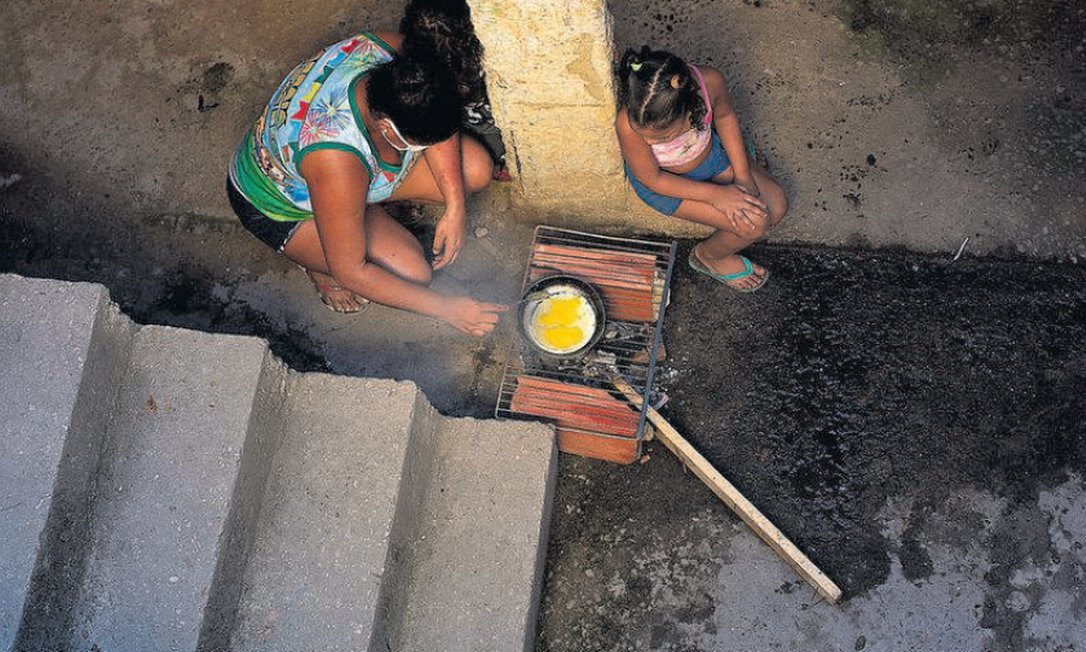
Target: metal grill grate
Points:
(592, 418)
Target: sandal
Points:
(730, 279)
(501, 173)
(757, 154)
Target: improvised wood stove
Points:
(577, 393)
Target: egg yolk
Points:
(558, 323)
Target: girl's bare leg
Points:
(719, 251)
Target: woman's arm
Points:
(444, 161)
(394, 39)
(727, 127)
(338, 185)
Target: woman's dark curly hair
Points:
(411, 91)
(657, 89)
(443, 29)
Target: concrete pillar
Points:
(549, 73)
(548, 65)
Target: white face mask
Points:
(406, 146)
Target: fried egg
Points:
(561, 322)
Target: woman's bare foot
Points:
(337, 298)
(735, 271)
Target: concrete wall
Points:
(133, 107)
(549, 69)
(126, 108)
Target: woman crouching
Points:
(346, 131)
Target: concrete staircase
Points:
(163, 489)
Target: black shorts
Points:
(271, 232)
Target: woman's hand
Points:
(472, 316)
(743, 211)
(449, 237)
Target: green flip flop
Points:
(728, 279)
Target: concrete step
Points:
(345, 484)
(165, 489)
(476, 561)
(63, 348)
(176, 493)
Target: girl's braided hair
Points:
(442, 29)
(657, 89)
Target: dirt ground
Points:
(913, 423)
(914, 426)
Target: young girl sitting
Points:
(685, 157)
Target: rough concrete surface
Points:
(477, 556)
(163, 497)
(914, 427)
(889, 122)
(896, 122)
(135, 465)
(319, 561)
(64, 354)
(43, 447)
(129, 108)
(544, 82)
(950, 513)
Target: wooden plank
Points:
(597, 276)
(574, 406)
(727, 492)
(640, 304)
(628, 282)
(611, 449)
(592, 253)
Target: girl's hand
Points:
(472, 316)
(746, 183)
(744, 211)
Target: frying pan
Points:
(560, 285)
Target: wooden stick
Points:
(727, 492)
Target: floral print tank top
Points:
(314, 109)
